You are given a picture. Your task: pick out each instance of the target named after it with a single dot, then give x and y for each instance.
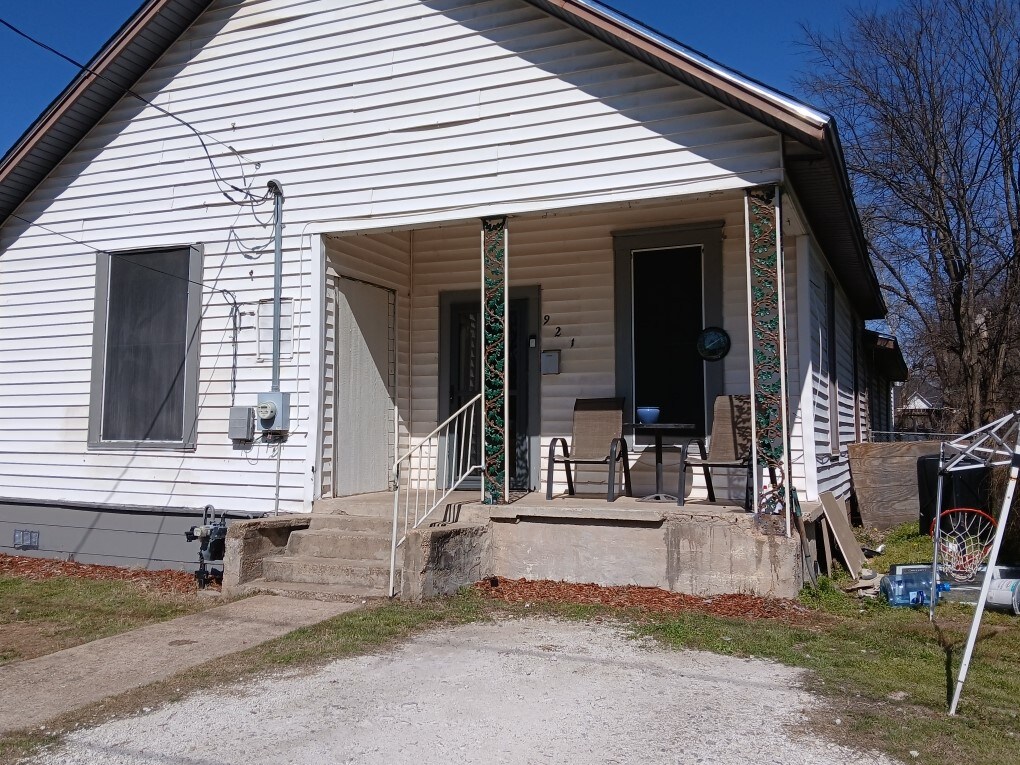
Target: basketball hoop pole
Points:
(937, 534)
(996, 444)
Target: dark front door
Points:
(668, 289)
(667, 304)
(465, 376)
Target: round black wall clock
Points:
(713, 343)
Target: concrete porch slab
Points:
(703, 548)
(463, 506)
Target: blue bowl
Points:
(647, 415)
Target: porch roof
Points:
(812, 151)
(886, 355)
(813, 156)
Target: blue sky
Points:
(757, 38)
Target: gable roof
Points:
(812, 153)
(131, 52)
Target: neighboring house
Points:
(617, 174)
(885, 367)
(920, 408)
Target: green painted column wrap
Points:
(494, 359)
(767, 311)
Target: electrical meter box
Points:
(272, 412)
(242, 423)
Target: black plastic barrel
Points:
(966, 488)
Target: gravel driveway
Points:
(531, 691)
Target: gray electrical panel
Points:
(273, 412)
(242, 423)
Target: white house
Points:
(624, 187)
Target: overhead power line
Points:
(249, 199)
(126, 259)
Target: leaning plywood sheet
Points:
(844, 535)
(885, 481)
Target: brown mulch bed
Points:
(648, 599)
(38, 569)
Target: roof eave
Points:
(886, 353)
(100, 74)
(781, 112)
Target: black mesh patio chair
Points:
(596, 439)
(729, 447)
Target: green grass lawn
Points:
(39, 617)
(887, 673)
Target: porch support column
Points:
(495, 396)
(767, 341)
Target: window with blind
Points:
(145, 349)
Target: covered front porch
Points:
(600, 302)
(455, 352)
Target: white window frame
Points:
(97, 395)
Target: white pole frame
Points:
(996, 444)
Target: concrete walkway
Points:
(38, 690)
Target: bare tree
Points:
(927, 97)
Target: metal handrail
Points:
(423, 463)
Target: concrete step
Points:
(365, 523)
(340, 593)
(313, 570)
(338, 543)
(379, 505)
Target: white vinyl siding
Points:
(832, 466)
(327, 459)
(794, 367)
(367, 113)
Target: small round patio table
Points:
(659, 429)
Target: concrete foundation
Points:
(706, 550)
(710, 551)
(441, 560)
(701, 549)
(250, 542)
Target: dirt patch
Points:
(649, 599)
(40, 569)
(20, 640)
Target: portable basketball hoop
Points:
(965, 537)
(960, 542)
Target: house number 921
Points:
(558, 331)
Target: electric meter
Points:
(266, 410)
